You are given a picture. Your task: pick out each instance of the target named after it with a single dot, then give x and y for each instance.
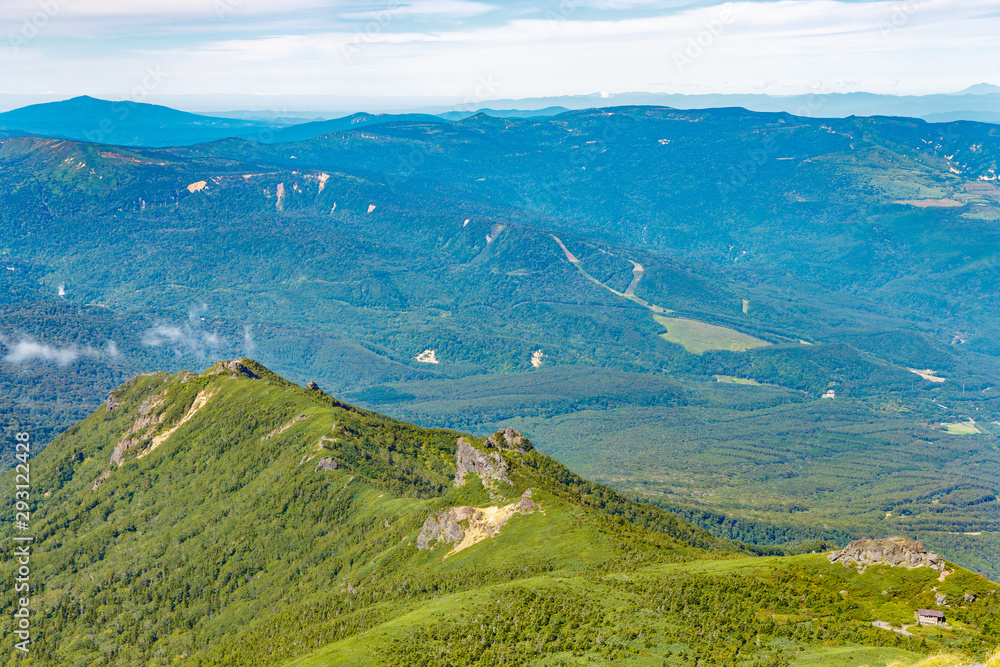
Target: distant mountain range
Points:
(979, 103)
(150, 125)
(126, 123)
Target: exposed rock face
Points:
(141, 429)
(236, 367)
(489, 463)
(940, 599)
(968, 597)
(443, 527)
(891, 551)
(490, 467)
(526, 505)
(326, 464)
(480, 524)
(511, 440)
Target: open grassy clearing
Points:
(729, 379)
(961, 428)
(698, 337)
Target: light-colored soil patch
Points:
(926, 374)
(483, 524)
(930, 203)
(636, 277)
(698, 337)
(570, 256)
(283, 428)
(427, 357)
(199, 402)
(197, 186)
(536, 358)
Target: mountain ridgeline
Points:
(235, 518)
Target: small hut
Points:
(930, 617)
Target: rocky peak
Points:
(508, 438)
(487, 462)
(237, 368)
(490, 466)
(891, 551)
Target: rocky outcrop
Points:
(480, 523)
(488, 462)
(237, 368)
(490, 466)
(444, 527)
(325, 464)
(141, 428)
(511, 440)
(891, 551)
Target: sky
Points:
(271, 54)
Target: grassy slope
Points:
(177, 552)
(224, 546)
(670, 614)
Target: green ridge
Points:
(229, 544)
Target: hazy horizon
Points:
(330, 55)
(307, 105)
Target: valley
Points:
(345, 257)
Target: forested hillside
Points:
(786, 319)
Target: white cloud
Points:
(28, 350)
(249, 345)
(161, 334)
(444, 8)
(186, 338)
(921, 45)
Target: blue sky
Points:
(454, 51)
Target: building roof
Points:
(931, 612)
